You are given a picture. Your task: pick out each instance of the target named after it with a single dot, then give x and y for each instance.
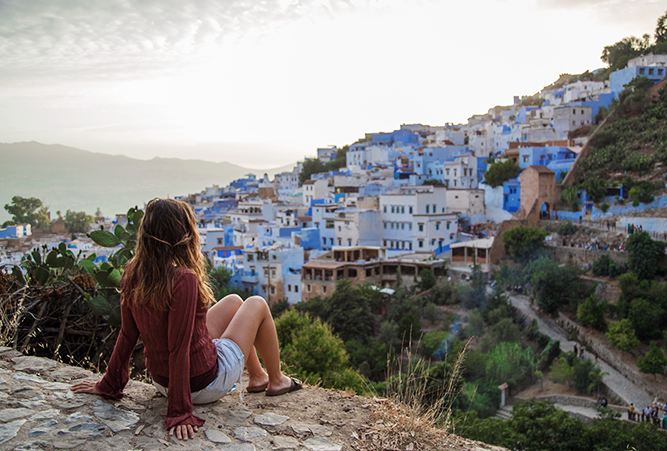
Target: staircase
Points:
(504, 413)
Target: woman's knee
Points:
(258, 302)
(232, 299)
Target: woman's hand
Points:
(183, 431)
(86, 387)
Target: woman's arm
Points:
(180, 329)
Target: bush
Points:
(522, 243)
(644, 255)
(550, 352)
(498, 173)
(604, 207)
(605, 266)
(591, 313)
(567, 229)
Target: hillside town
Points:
(397, 202)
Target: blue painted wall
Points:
(620, 78)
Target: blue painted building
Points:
(522, 113)
(512, 195)
(620, 78)
(401, 136)
(605, 101)
(544, 156)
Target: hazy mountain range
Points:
(66, 178)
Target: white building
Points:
(415, 219)
(315, 189)
(648, 60)
(584, 90)
(569, 118)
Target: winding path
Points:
(624, 388)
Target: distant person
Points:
(194, 354)
(631, 412)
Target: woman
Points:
(194, 354)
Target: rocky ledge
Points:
(38, 411)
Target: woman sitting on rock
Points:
(195, 354)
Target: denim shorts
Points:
(230, 370)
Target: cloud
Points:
(630, 13)
(108, 38)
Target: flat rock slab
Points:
(238, 447)
(43, 428)
(282, 442)
(117, 419)
(45, 415)
(321, 444)
(7, 415)
(93, 431)
(315, 429)
(247, 434)
(78, 416)
(33, 364)
(215, 436)
(32, 446)
(67, 444)
(25, 377)
(270, 419)
(9, 430)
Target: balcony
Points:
(247, 278)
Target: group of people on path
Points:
(649, 415)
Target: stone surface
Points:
(67, 444)
(33, 364)
(78, 416)
(321, 444)
(216, 436)
(7, 415)
(43, 428)
(315, 429)
(117, 419)
(238, 447)
(283, 442)
(32, 446)
(9, 430)
(270, 419)
(45, 415)
(247, 434)
(25, 377)
(92, 431)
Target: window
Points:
(402, 226)
(427, 209)
(650, 71)
(410, 245)
(392, 226)
(289, 288)
(308, 288)
(421, 226)
(448, 223)
(409, 225)
(340, 242)
(437, 226)
(385, 243)
(349, 242)
(525, 158)
(324, 289)
(273, 273)
(219, 240)
(296, 288)
(454, 182)
(392, 209)
(385, 224)
(435, 208)
(574, 111)
(273, 290)
(324, 241)
(421, 243)
(339, 228)
(451, 236)
(250, 257)
(384, 208)
(582, 111)
(433, 242)
(410, 209)
(331, 241)
(402, 208)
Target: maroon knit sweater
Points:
(179, 351)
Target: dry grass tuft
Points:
(416, 416)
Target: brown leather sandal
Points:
(257, 388)
(294, 386)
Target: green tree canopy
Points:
(78, 221)
(654, 361)
(644, 254)
(621, 335)
(591, 313)
(522, 243)
(500, 172)
(555, 287)
(312, 352)
(24, 210)
(645, 318)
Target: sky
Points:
(263, 83)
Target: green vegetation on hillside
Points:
(500, 172)
(315, 166)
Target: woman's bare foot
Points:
(258, 380)
(277, 386)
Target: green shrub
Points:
(567, 229)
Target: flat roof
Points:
(483, 243)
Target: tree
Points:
(622, 336)
(313, 353)
(310, 167)
(220, 283)
(644, 255)
(78, 221)
(555, 287)
(24, 210)
(522, 243)
(591, 313)
(645, 318)
(498, 173)
(661, 29)
(654, 361)
(427, 279)
(618, 54)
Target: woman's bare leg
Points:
(218, 318)
(252, 325)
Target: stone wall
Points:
(593, 345)
(578, 256)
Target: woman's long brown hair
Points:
(167, 238)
